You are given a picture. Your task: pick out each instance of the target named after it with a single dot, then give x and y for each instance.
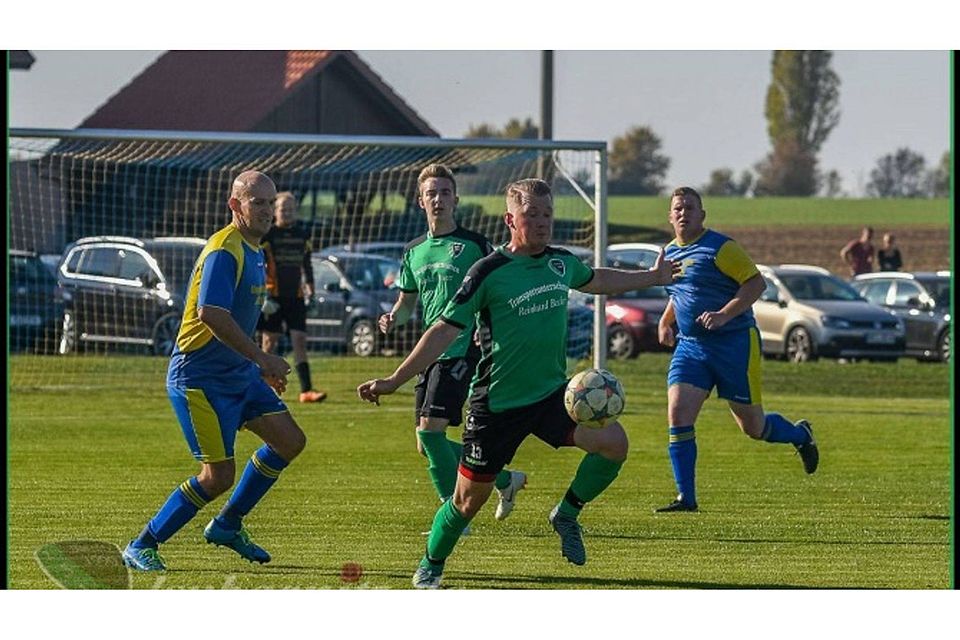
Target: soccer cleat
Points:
(677, 505)
(427, 575)
(508, 495)
(236, 539)
(571, 537)
(809, 453)
(313, 396)
(143, 558)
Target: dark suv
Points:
(125, 291)
(36, 304)
(921, 300)
(351, 291)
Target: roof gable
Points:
(228, 90)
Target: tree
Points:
(788, 171)
(722, 183)
(801, 110)
(513, 129)
(636, 166)
(900, 174)
(938, 180)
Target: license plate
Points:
(24, 321)
(881, 338)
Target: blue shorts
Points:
(730, 362)
(210, 420)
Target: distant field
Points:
(92, 458)
(733, 212)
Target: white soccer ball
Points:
(594, 398)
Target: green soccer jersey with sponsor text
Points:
(433, 267)
(520, 305)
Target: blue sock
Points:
(683, 457)
(184, 503)
(776, 428)
(261, 472)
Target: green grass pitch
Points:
(89, 463)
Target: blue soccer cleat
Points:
(428, 575)
(143, 558)
(236, 539)
(571, 537)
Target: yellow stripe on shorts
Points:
(206, 426)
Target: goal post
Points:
(135, 194)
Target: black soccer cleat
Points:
(677, 505)
(809, 453)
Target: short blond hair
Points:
(436, 170)
(530, 187)
(283, 195)
(681, 192)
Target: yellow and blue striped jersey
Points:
(712, 268)
(229, 274)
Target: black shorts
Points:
(442, 389)
(293, 311)
(490, 440)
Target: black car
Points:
(125, 291)
(36, 304)
(921, 300)
(351, 291)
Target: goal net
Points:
(118, 217)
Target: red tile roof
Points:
(226, 90)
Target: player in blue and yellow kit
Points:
(717, 344)
(220, 381)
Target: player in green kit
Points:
(518, 295)
(434, 265)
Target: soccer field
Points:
(94, 464)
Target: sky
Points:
(706, 106)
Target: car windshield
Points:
(650, 293)
(370, 274)
(632, 258)
(939, 290)
(27, 270)
(176, 264)
(814, 286)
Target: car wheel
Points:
(620, 343)
(363, 338)
(165, 335)
(68, 334)
(943, 345)
(799, 345)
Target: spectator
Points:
(858, 254)
(888, 257)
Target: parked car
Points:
(921, 300)
(36, 304)
(806, 312)
(633, 316)
(351, 291)
(125, 291)
(387, 249)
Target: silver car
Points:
(806, 312)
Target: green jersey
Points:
(520, 303)
(434, 267)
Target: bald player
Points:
(220, 381)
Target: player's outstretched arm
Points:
(430, 346)
(612, 281)
(400, 313)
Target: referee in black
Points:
(287, 250)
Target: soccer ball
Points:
(594, 397)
